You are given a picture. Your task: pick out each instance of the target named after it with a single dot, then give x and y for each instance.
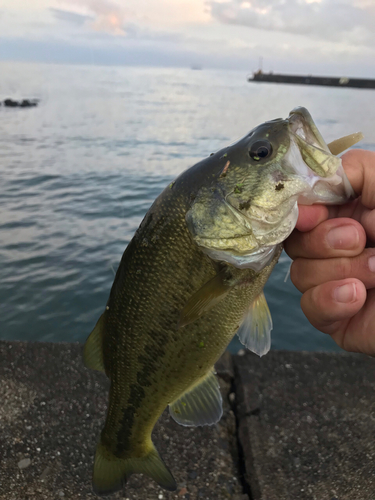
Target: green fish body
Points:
(193, 273)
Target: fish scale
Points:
(153, 325)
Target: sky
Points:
(334, 37)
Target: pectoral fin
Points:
(339, 145)
(93, 350)
(255, 331)
(205, 299)
(201, 405)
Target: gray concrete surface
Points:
(52, 410)
(305, 424)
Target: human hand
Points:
(334, 260)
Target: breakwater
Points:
(326, 81)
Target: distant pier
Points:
(327, 81)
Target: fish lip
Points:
(302, 126)
(303, 131)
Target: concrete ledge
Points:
(52, 410)
(305, 423)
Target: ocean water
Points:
(78, 173)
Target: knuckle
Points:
(293, 245)
(316, 300)
(309, 306)
(295, 273)
(288, 246)
(343, 268)
(320, 310)
(307, 243)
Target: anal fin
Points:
(93, 350)
(255, 331)
(200, 405)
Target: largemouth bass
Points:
(193, 276)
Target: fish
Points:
(192, 277)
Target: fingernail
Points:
(345, 293)
(371, 263)
(345, 237)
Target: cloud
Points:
(325, 37)
(107, 16)
(70, 17)
(345, 21)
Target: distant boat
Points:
(196, 67)
(329, 81)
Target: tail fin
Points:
(111, 472)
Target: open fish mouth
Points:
(302, 126)
(320, 168)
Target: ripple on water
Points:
(79, 172)
(61, 252)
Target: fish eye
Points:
(260, 150)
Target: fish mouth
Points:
(320, 168)
(302, 126)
